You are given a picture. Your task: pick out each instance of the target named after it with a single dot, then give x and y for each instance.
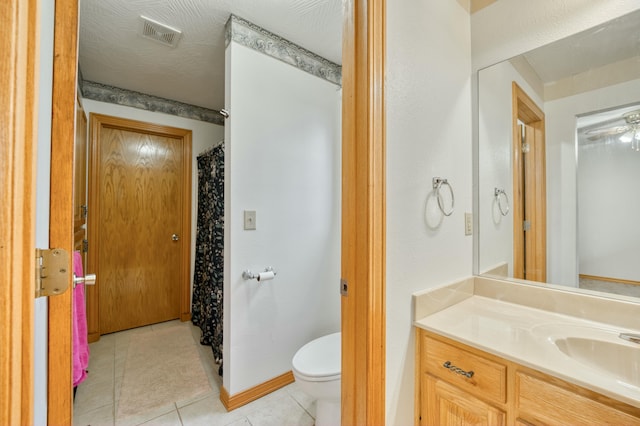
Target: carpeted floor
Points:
(160, 366)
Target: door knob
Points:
(89, 279)
(175, 237)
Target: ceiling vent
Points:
(161, 33)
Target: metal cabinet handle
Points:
(458, 370)
(175, 237)
(89, 279)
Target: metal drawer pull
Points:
(458, 370)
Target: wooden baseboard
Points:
(185, 317)
(231, 402)
(609, 279)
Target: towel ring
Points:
(437, 185)
(504, 209)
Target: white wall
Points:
(204, 135)
(495, 232)
(562, 208)
(428, 90)
(283, 161)
(608, 207)
(428, 107)
(43, 180)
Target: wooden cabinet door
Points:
(448, 405)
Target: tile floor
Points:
(97, 397)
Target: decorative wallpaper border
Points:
(130, 98)
(254, 37)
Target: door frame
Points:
(19, 40)
(96, 123)
(364, 206)
(363, 213)
(530, 257)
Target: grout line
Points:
(179, 416)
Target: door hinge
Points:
(526, 225)
(85, 246)
(84, 210)
(343, 286)
(52, 272)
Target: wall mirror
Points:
(559, 162)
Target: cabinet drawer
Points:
(544, 403)
(489, 379)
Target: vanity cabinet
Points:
(461, 385)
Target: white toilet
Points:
(316, 367)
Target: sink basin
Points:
(598, 348)
(620, 360)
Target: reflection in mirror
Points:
(609, 200)
(530, 109)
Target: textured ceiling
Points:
(111, 51)
(605, 44)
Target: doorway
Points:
(529, 188)
(363, 208)
(139, 225)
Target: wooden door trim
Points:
(98, 121)
(19, 40)
(526, 110)
(363, 213)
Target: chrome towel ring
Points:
(438, 183)
(500, 195)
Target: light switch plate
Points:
(249, 220)
(468, 224)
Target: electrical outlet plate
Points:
(249, 220)
(468, 224)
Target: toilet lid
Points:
(319, 359)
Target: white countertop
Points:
(525, 335)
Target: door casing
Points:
(97, 122)
(529, 189)
(19, 69)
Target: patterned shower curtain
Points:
(207, 303)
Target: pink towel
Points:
(79, 319)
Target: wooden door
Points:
(142, 207)
(535, 206)
(529, 189)
(63, 110)
(80, 183)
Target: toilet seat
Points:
(319, 360)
